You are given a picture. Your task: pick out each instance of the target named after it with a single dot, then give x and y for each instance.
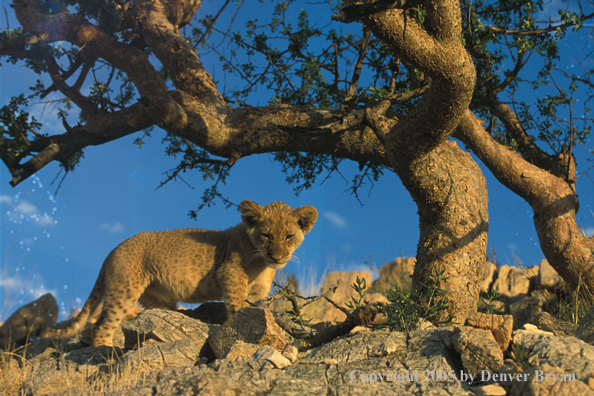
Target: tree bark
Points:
(446, 184)
(552, 199)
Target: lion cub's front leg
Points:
(234, 287)
(259, 287)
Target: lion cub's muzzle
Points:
(276, 266)
(276, 260)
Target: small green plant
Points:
(522, 357)
(403, 312)
(423, 302)
(359, 286)
(570, 305)
(572, 308)
(490, 306)
(298, 318)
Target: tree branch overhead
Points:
(388, 95)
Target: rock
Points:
(549, 299)
(548, 278)
(291, 352)
(477, 348)
(240, 349)
(209, 312)
(359, 346)
(164, 326)
(348, 365)
(429, 341)
(164, 354)
(95, 356)
(36, 346)
(573, 355)
(250, 325)
(585, 330)
(398, 272)
(322, 310)
(490, 390)
(500, 326)
(27, 321)
(205, 381)
(48, 353)
(513, 281)
(526, 309)
(547, 322)
(490, 276)
(273, 356)
(534, 329)
(363, 363)
(547, 380)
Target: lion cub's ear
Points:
(306, 217)
(251, 212)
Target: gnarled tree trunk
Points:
(551, 197)
(446, 184)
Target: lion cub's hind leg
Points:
(120, 298)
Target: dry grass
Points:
(114, 375)
(118, 378)
(14, 374)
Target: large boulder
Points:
(398, 273)
(477, 348)
(512, 281)
(250, 325)
(490, 275)
(500, 326)
(548, 278)
(27, 321)
(569, 363)
(158, 325)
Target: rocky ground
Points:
(524, 351)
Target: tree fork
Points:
(552, 199)
(445, 183)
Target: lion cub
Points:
(191, 265)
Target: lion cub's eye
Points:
(289, 237)
(267, 236)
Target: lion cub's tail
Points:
(90, 308)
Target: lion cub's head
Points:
(276, 230)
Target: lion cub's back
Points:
(183, 251)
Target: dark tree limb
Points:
(557, 165)
(78, 62)
(71, 92)
(98, 130)
(537, 32)
(80, 32)
(367, 315)
(317, 334)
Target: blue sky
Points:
(57, 242)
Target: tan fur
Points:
(160, 269)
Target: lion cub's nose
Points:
(276, 256)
